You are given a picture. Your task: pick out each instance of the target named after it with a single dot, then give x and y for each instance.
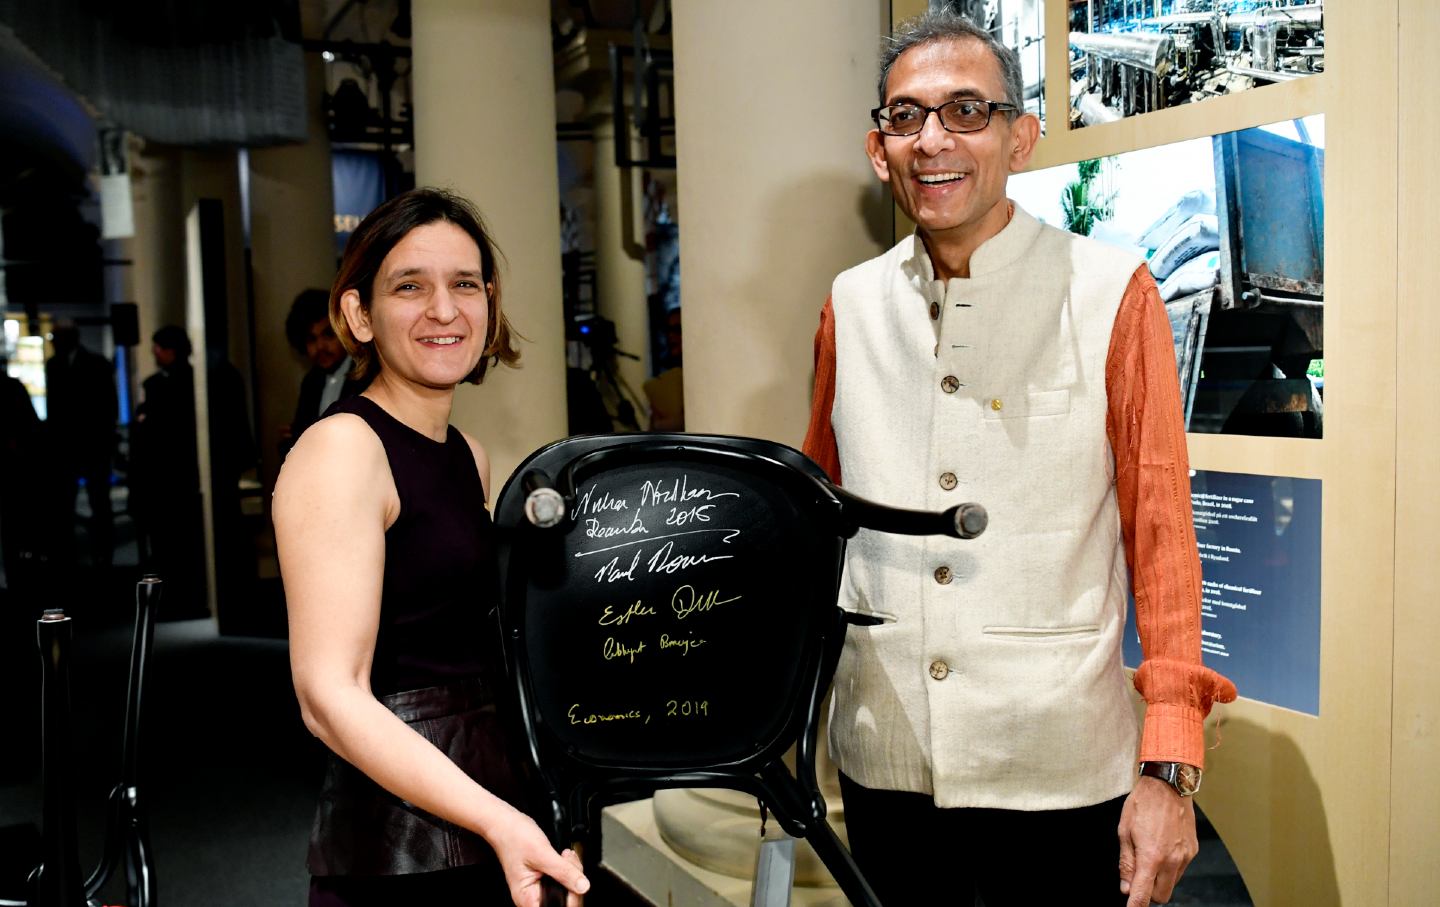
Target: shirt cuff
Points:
(1178, 695)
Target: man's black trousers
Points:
(915, 853)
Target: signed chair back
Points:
(669, 619)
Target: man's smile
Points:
(941, 178)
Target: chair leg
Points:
(841, 865)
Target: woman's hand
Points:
(527, 857)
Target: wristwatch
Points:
(1184, 778)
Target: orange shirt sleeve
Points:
(1145, 424)
(820, 444)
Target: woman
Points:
(386, 553)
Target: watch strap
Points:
(1185, 779)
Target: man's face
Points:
(322, 347)
(164, 356)
(950, 182)
(64, 339)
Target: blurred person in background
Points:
(310, 333)
(80, 421)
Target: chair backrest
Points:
(680, 621)
(669, 616)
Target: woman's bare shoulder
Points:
(338, 451)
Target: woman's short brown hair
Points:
(381, 231)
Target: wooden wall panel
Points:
(1415, 785)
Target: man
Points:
(21, 461)
(984, 732)
(81, 415)
(164, 479)
(308, 329)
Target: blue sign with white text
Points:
(1259, 539)
(358, 181)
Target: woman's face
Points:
(429, 310)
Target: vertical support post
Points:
(472, 60)
(56, 881)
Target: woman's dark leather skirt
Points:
(363, 830)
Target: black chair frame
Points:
(575, 783)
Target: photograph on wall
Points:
(1259, 539)
(1233, 228)
(1134, 56)
(1020, 26)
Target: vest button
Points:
(938, 670)
(949, 384)
(934, 311)
(947, 480)
(942, 575)
(997, 405)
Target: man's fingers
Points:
(1167, 877)
(1164, 886)
(1141, 886)
(1127, 862)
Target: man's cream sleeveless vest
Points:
(999, 681)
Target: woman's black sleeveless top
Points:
(436, 665)
(436, 609)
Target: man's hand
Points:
(1157, 841)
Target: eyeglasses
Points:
(960, 115)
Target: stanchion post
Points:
(56, 882)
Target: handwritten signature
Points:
(594, 530)
(615, 650)
(635, 609)
(678, 492)
(592, 503)
(612, 572)
(686, 601)
(684, 645)
(662, 561)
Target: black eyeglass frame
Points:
(990, 108)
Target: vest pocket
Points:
(1026, 404)
(1040, 632)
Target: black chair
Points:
(669, 620)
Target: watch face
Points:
(1187, 779)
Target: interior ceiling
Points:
(47, 126)
(567, 16)
(609, 13)
(372, 21)
(47, 136)
(195, 74)
(365, 21)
